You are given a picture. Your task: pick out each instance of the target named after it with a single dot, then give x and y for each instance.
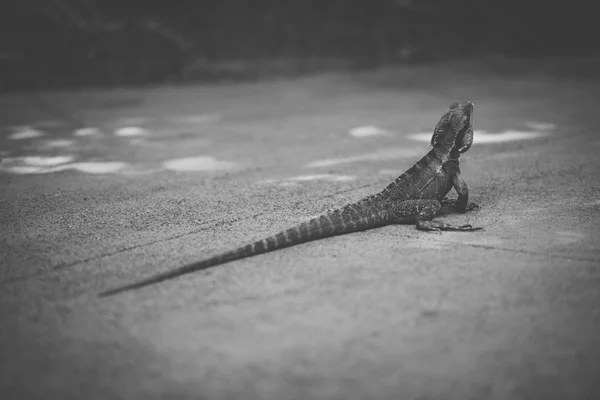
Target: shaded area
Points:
(63, 42)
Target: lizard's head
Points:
(454, 131)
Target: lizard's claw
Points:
(472, 207)
(462, 228)
(438, 226)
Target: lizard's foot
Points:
(472, 207)
(462, 228)
(438, 226)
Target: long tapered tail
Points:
(352, 218)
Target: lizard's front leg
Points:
(462, 203)
(422, 212)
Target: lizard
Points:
(415, 197)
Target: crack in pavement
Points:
(69, 265)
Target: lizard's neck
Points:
(444, 154)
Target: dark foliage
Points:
(73, 42)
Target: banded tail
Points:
(351, 218)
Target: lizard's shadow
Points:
(447, 209)
(450, 209)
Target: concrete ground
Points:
(174, 174)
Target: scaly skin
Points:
(414, 197)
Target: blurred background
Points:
(70, 43)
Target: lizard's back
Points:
(429, 178)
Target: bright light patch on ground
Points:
(201, 163)
(47, 161)
(98, 167)
(44, 165)
(326, 177)
(25, 132)
(506, 136)
(130, 131)
(295, 181)
(367, 131)
(421, 136)
(485, 137)
(384, 154)
(87, 132)
(36, 161)
(391, 171)
(25, 169)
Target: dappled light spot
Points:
(130, 131)
(35, 161)
(87, 132)
(44, 165)
(367, 131)
(421, 136)
(47, 161)
(389, 171)
(25, 132)
(481, 137)
(98, 167)
(33, 165)
(325, 177)
(200, 163)
(383, 154)
(506, 136)
(26, 169)
(295, 180)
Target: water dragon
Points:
(415, 197)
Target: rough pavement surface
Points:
(175, 174)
